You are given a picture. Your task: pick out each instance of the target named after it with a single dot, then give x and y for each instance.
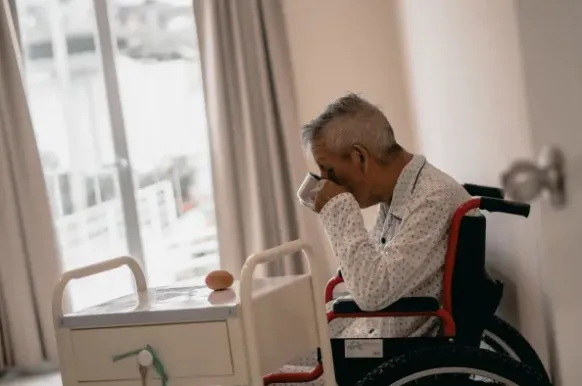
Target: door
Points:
(550, 37)
(492, 83)
(68, 92)
(157, 92)
(116, 98)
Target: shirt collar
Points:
(405, 185)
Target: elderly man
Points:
(354, 146)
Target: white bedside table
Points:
(201, 337)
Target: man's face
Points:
(348, 171)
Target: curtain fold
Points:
(29, 259)
(256, 156)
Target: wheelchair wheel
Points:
(502, 338)
(453, 365)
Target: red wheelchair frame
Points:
(492, 202)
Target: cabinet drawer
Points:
(186, 350)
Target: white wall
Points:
(468, 101)
(345, 45)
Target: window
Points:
(121, 127)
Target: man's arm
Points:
(377, 277)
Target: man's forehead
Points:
(319, 153)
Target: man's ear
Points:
(360, 157)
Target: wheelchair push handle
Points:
(484, 191)
(504, 206)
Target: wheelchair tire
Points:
(504, 339)
(419, 368)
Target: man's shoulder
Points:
(434, 184)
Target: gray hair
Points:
(352, 120)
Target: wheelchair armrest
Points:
(404, 305)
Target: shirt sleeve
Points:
(376, 277)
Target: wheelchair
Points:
(466, 312)
(498, 335)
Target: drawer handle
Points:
(157, 363)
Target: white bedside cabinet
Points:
(201, 337)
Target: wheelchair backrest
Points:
(470, 256)
(475, 296)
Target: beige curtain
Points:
(28, 254)
(257, 160)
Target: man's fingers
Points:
(328, 191)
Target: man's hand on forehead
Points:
(329, 190)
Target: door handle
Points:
(526, 180)
(119, 164)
